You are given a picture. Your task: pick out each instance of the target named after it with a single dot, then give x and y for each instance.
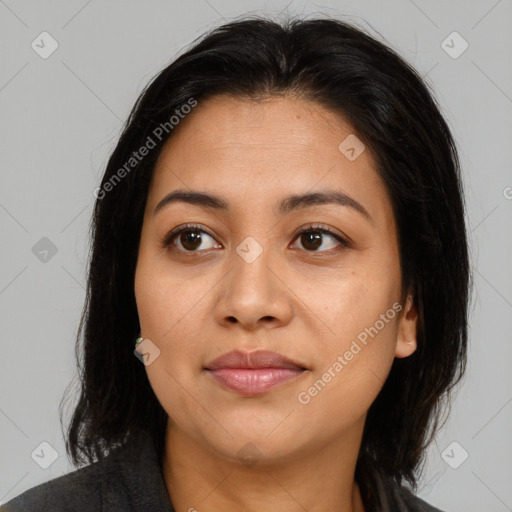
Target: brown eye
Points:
(187, 239)
(312, 239)
(190, 240)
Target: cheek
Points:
(172, 310)
(357, 301)
(169, 309)
(167, 303)
(355, 354)
(354, 364)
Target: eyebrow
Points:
(288, 204)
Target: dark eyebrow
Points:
(288, 204)
(317, 198)
(192, 197)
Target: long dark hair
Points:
(394, 113)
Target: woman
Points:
(279, 239)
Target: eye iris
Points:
(190, 240)
(311, 240)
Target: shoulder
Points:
(81, 489)
(114, 483)
(395, 497)
(416, 504)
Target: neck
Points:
(199, 479)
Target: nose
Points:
(254, 294)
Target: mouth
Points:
(253, 373)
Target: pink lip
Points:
(254, 372)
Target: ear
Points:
(406, 342)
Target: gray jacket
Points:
(130, 479)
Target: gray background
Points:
(60, 119)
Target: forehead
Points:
(273, 126)
(261, 149)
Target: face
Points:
(315, 281)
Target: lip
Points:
(254, 373)
(253, 360)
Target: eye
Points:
(187, 239)
(312, 238)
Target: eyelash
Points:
(168, 239)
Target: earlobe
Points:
(406, 343)
(405, 348)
